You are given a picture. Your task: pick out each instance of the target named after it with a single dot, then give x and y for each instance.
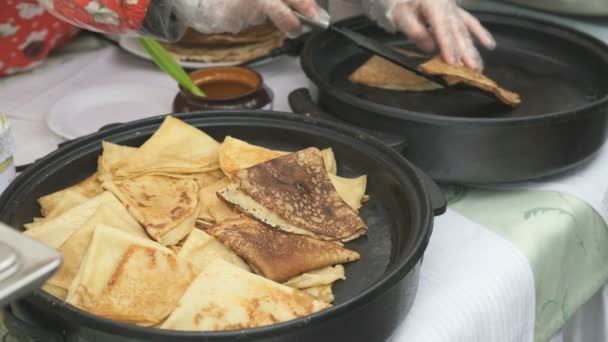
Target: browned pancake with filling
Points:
(297, 188)
(277, 255)
(454, 74)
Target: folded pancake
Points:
(130, 279)
(323, 276)
(318, 283)
(36, 221)
(113, 214)
(205, 179)
(235, 155)
(175, 147)
(56, 291)
(167, 207)
(294, 193)
(321, 292)
(68, 201)
(454, 74)
(225, 297)
(112, 155)
(380, 73)
(54, 232)
(89, 188)
(277, 255)
(200, 249)
(213, 209)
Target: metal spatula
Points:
(373, 46)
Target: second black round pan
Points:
(456, 135)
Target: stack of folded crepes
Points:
(251, 43)
(187, 233)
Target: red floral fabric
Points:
(27, 34)
(108, 16)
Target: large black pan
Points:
(457, 135)
(379, 289)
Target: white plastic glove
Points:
(449, 27)
(218, 16)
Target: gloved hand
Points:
(449, 27)
(218, 16)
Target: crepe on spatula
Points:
(225, 297)
(200, 249)
(167, 207)
(128, 278)
(175, 148)
(295, 194)
(454, 74)
(235, 155)
(113, 214)
(88, 188)
(277, 255)
(380, 73)
(54, 232)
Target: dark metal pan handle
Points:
(25, 331)
(438, 200)
(301, 102)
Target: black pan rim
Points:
(390, 157)
(402, 114)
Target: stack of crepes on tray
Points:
(187, 233)
(249, 44)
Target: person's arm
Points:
(434, 24)
(168, 19)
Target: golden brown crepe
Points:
(454, 74)
(225, 297)
(213, 209)
(319, 277)
(36, 222)
(130, 279)
(296, 188)
(112, 155)
(54, 232)
(322, 292)
(200, 249)
(176, 147)
(235, 154)
(253, 34)
(226, 53)
(89, 188)
(111, 213)
(167, 207)
(381, 73)
(277, 255)
(56, 291)
(69, 200)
